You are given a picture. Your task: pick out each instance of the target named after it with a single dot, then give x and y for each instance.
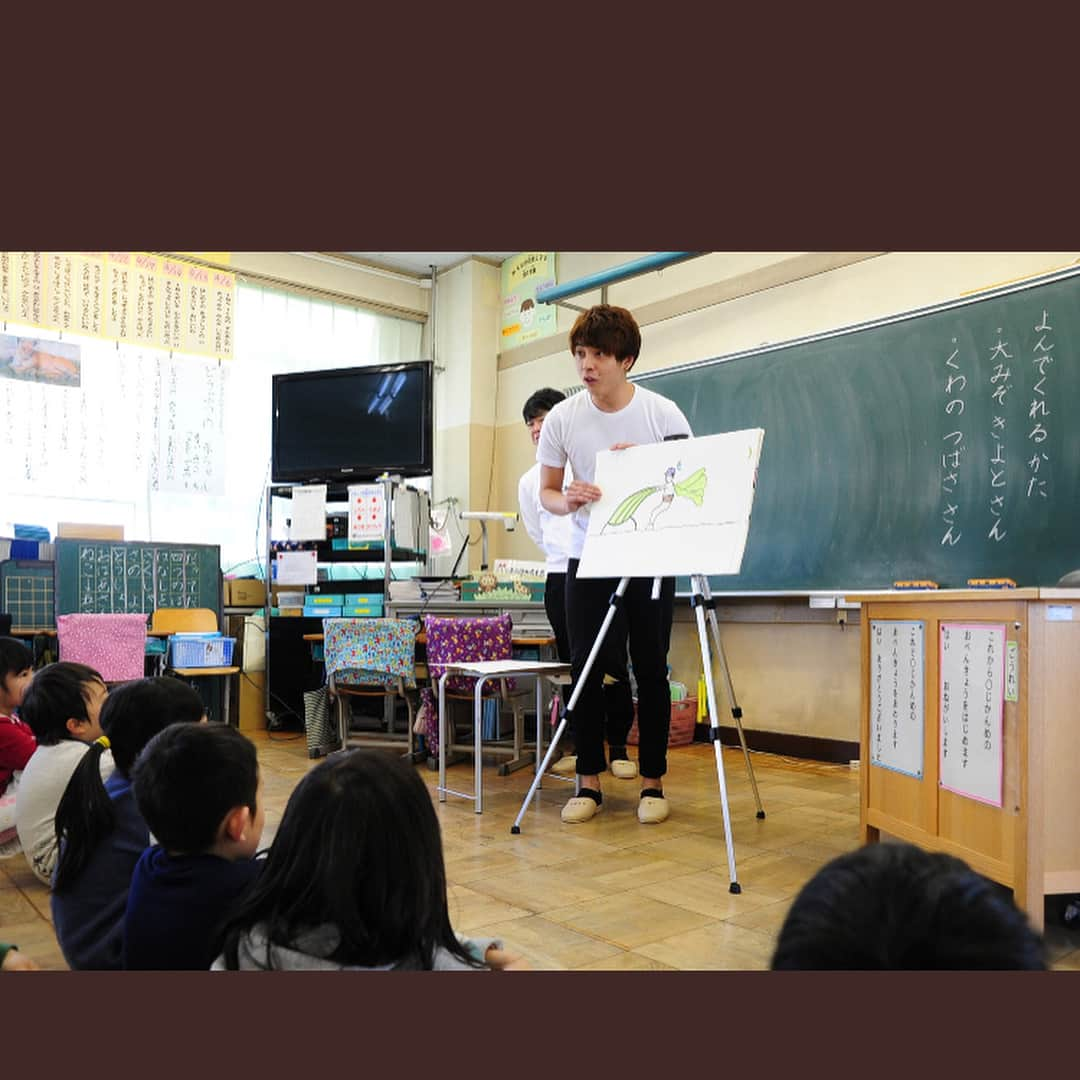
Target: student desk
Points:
(484, 671)
(1031, 843)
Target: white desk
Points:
(484, 671)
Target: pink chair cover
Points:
(114, 645)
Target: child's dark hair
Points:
(543, 401)
(894, 906)
(375, 872)
(609, 329)
(14, 657)
(187, 779)
(131, 716)
(56, 694)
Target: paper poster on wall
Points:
(897, 713)
(34, 359)
(367, 512)
(296, 568)
(307, 517)
(672, 508)
(972, 674)
(523, 319)
(134, 297)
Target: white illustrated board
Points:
(897, 706)
(972, 703)
(672, 508)
(367, 512)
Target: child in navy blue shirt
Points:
(101, 832)
(199, 790)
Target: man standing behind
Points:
(612, 414)
(552, 534)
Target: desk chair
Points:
(113, 645)
(167, 621)
(468, 640)
(370, 658)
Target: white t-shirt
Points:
(551, 533)
(42, 786)
(575, 430)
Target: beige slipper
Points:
(580, 808)
(623, 768)
(565, 766)
(652, 809)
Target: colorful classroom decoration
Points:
(133, 297)
(523, 319)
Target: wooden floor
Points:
(610, 894)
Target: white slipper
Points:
(623, 768)
(652, 810)
(580, 808)
(565, 766)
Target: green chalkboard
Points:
(942, 445)
(112, 576)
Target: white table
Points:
(485, 671)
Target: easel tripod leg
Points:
(698, 602)
(736, 712)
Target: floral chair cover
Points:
(455, 641)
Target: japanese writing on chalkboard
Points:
(897, 714)
(1038, 411)
(1001, 383)
(972, 674)
(954, 446)
(119, 578)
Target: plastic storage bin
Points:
(200, 650)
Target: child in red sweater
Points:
(17, 741)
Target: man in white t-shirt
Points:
(611, 414)
(551, 533)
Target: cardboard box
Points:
(252, 716)
(90, 532)
(246, 592)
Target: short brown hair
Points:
(609, 329)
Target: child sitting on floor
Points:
(893, 906)
(17, 741)
(101, 832)
(199, 791)
(62, 705)
(355, 880)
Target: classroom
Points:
(155, 461)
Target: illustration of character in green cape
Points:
(692, 488)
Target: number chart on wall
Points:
(897, 712)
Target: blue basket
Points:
(200, 651)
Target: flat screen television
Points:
(352, 423)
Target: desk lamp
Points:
(508, 519)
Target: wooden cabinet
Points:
(1031, 843)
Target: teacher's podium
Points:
(970, 731)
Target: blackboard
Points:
(941, 445)
(109, 577)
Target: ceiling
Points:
(420, 262)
